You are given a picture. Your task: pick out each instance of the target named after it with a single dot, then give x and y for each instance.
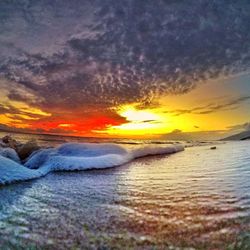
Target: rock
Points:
(27, 149)
(9, 142)
(213, 148)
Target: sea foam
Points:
(75, 156)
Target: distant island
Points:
(238, 137)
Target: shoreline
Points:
(19, 162)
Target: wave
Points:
(75, 156)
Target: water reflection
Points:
(198, 198)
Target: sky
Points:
(125, 68)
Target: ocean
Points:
(195, 199)
(48, 140)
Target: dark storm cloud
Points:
(101, 53)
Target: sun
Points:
(139, 122)
(137, 116)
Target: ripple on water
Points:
(197, 198)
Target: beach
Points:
(124, 125)
(197, 198)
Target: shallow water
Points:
(198, 198)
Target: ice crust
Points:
(73, 156)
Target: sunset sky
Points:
(134, 68)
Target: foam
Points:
(76, 156)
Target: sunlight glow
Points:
(139, 122)
(65, 125)
(148, 122)
(133, 115)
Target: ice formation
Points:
(74, 156)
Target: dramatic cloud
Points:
(212, 107)
(112, 52)
(88, 56)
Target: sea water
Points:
(196, 198)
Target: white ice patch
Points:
(156, 150)
(10, 154)
(76, 156)
(11, 171)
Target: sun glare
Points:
(139, 122)
(134, 115)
